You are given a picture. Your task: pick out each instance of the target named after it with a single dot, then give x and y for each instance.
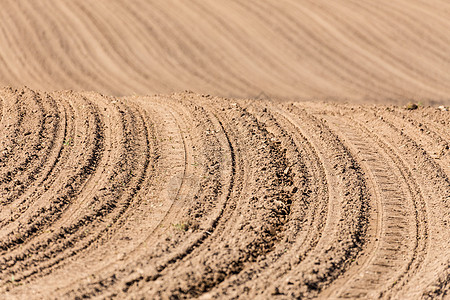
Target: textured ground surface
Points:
(383, 51)
(108, 193)
(194, 196)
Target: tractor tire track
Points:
(193, 196)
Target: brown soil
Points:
(378, 51)
(190, 195)
(320, 168)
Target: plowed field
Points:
(288, 174)
(195, 196)
(377, 51)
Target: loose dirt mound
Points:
(383, 50)
(193, 196)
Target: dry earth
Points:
(378, 51)
(185, 195)
(195, 196)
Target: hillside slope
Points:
(381, 51)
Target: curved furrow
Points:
(49, 206)
(11, 129)
(340, 241)
(201, 223)
(264, 177)
(31, 142)
(433, 212)
(11, 119)
(32, 167)
(238, 249)
(189, 195)
(176, 182)
(211, 197)
(401, 236)
(307, 211)
(234, 285)
(83, 224)
(117, 235)
(14, 118)
(436, 146)
(39, 176)
(224, 196)
(437, 120)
